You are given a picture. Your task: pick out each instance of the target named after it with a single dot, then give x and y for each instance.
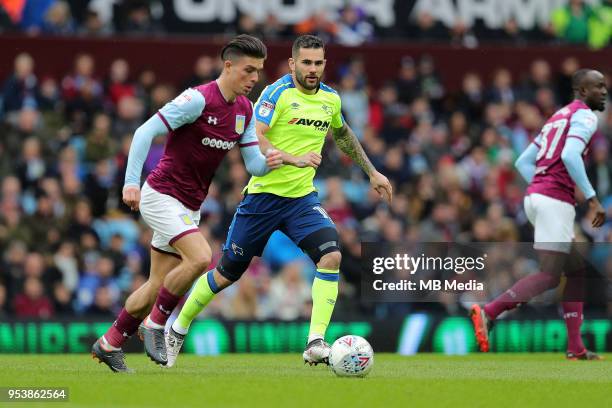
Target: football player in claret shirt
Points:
(203, 124)
(553, 165)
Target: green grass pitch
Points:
(282, 380)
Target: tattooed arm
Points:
(347, 142)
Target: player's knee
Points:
(197, 264)
(330, 261)
(321, 243)
(230, 269)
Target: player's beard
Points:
(302, 81)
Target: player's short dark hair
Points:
(244, 45)
(306, 41)
(578, 77)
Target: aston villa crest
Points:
(240, 119)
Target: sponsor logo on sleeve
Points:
(182, 99)
(265, 109)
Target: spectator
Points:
(98, 187)
(318, 24)
(600, 26)
(472, 97)
(407, 83)
(564, 80)
(81, 91)
(138, 19)
(289, 293)
(93, 26)
(600, 169)
(21, 89)
(130, 112)
(501, 90)
(32, 166)
(32, 302)
(427, 28)
(353, 28)
(571, 22)
(430, 83)
(203, 72)
(118, 85)
(58, 19)
(100, 145)
(354, 104)
(274, 29)
(62, 300)
(540, 77)
(248, 25)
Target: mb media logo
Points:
(319, 124)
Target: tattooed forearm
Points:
(348, 143)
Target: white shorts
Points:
(168, 217)
(553, 222)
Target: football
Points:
(351, 356)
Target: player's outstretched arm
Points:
(141, 143)
(310, 159)
(349, 144)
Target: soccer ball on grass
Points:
(351, 356)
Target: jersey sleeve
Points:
(183, 109)
(249, 137)
(337, 118)
(266, 108)
(537, 141)
(582, 125)
(572, 158)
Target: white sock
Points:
(107, 346)
(179, 329)
(151, 324)
(313, 337)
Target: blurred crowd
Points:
(577, 22)
(69, 246)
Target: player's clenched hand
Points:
(274, 159)
(131, 197)
(381, 184)
(599, 213)
(310, 159)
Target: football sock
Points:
(521, 292)
(121, 329)
(164, 305)
(324, 294)
(572, 304)
(204, 290)
(572, 314)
